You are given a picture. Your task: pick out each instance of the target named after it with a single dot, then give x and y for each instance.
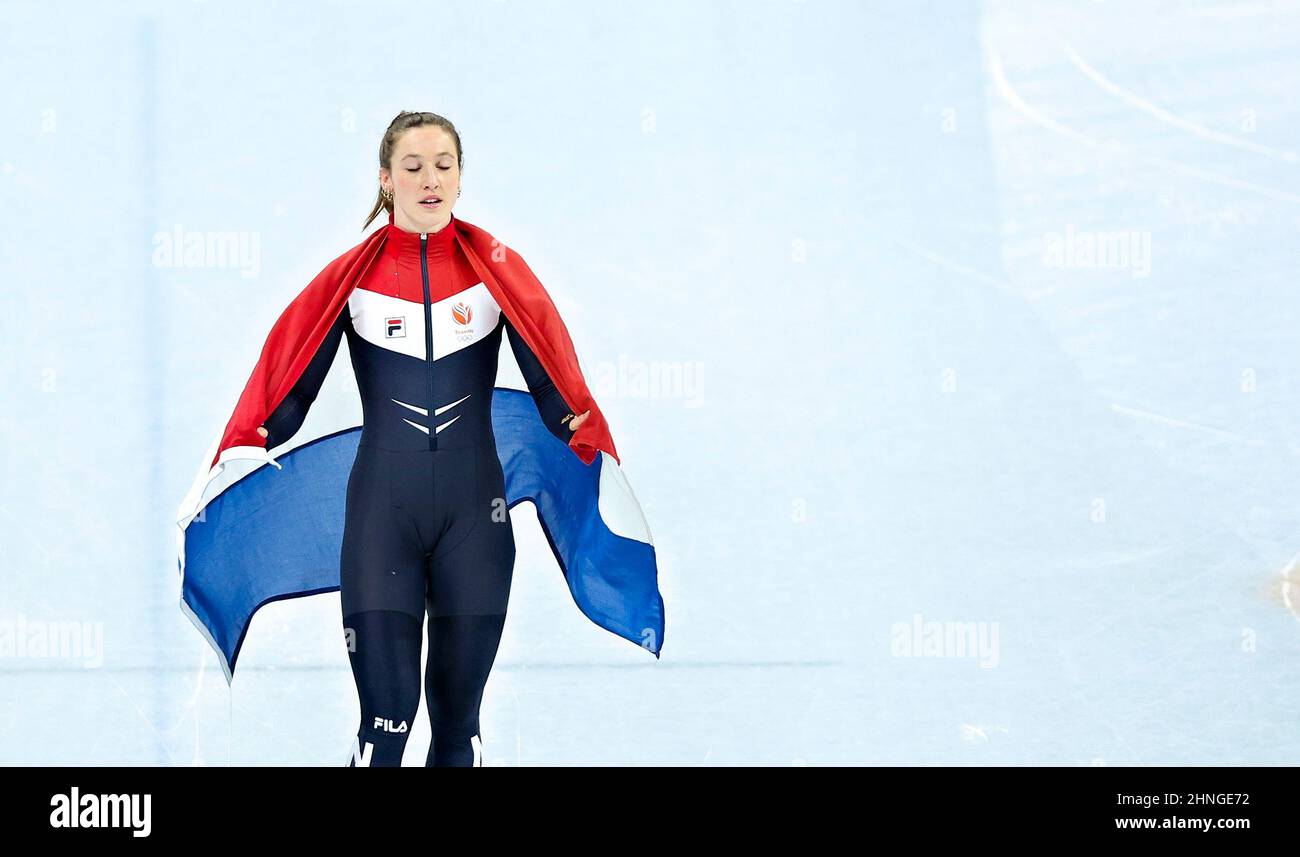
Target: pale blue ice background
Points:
(834, 215)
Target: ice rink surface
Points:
(903, 404)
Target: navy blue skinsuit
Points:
(427, 530)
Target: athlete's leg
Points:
(383, 591)
(469, 588)
(384, 648)
(461, 652)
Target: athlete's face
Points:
(424, 166)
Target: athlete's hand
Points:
(577, 421)
(262, 431)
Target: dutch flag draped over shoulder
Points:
(255, 528)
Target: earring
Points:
(388, 194)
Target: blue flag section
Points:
(278, 533)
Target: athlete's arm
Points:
(555, 413)
(288, 416)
